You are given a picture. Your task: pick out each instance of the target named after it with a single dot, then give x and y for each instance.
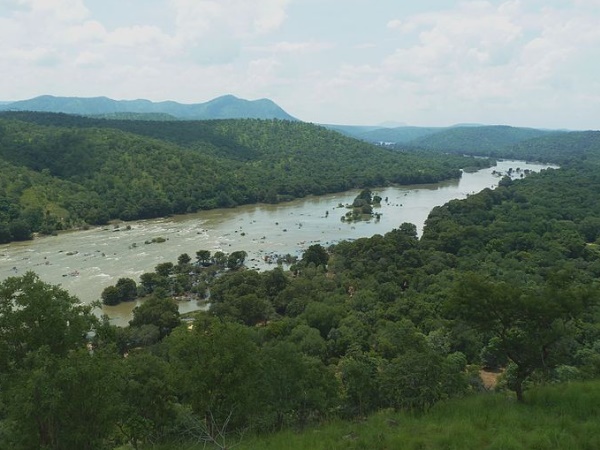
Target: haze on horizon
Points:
(436, 63)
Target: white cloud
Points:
(494, 61)
(295, 47)
(40, 56)
(62, 10)
(478, 56)
(238, 18)
(136, 36)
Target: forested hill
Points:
(72, 170)
(479, 140)
(574, 148)
(563, 148)
(504, 280)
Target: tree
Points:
(183, 260)
(46, 369)
(159, 311)
(34, 314)
(127, 289)
(315, 254)
(20, 231)
(203, 257)
(164, 269)
(236, 259)
(217, 367)
(148, 399)
(62, 402)
(150, 281)
(111, 296)
(530, 325)
(358, 375)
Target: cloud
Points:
(238, 18)
(213, 31)
(62, 10)
(481, 54)
(294, 47)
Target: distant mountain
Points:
(225, 107)
(392, 124)
(355, 131)
(378, 134)
(399, 135)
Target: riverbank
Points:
(94, 259)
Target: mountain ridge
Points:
(223, 107)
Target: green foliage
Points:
(158, 311)
(556, 417)
(530, 326)
(124, 291)
(58, 402)
(479, 140)
(35, 315)
(505, 278)
(63, 171)
(315, 254)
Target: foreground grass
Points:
(565, 416)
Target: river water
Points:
(85, 262)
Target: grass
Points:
(562, 416)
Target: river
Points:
(85, 262)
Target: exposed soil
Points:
(490, 378)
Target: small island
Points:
(362, 207)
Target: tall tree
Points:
(530, 324)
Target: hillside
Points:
(225, 107)
(379, 342)
(488, 421)
(394, 135)
(481, 140)
(563, 148)
(142, 169)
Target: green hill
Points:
(563, 148)
(480, 140)
(395, 135)
(141, 169)
(375, 343)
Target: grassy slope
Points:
(562, 416)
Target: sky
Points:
(355, 62)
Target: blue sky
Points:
(360, 62)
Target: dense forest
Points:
(503, 281)
(60, 171)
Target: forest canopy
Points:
(504, 281)
(60, 171)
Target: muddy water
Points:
(85, 262)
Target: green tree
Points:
(236, 259)
(127, 289)
(159, 311)
(147, 407)
(111, 296)
(203, 257)
(63, 402)
(531, 326)
(217, 368)
(315, 254)
(164, 269)
(183, 260)
(34, 314)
